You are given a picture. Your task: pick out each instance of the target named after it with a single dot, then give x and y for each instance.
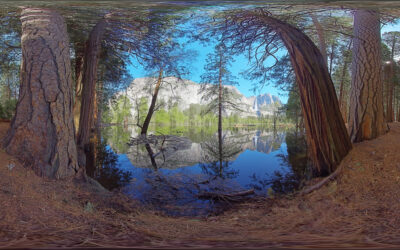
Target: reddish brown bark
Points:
(367, 119)
(79, 57)
(390, 116)
(388, 80)
(42, 131)
(321, 37)
(398, 114)
(327, 136)
(89, 79)
(342, 89)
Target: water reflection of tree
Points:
(219, 155)
(118, 137)
(297, 162)
(151, 156)
(105, 170)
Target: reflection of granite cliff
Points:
(186, 153)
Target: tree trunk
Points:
(398, 114)
(146, 122)
(42, 130)
(388, 76)
(220, 116)
(390, 109)
(79, 57)
(89, 79)
(342, 91)
(151, 156)
(220, 152)
(326, 133)
(367, 119)
(220, 97)
(8, 88)
(99, 112)
(321, 37)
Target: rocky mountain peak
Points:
(186, 92)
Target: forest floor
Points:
(358, 209)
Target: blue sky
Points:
(240, 63)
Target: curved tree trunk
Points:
(326, 133)
(89, 79)
(152, 107)
(367, 119)
(42, 132)
(321, 37)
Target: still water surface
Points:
(173, 172)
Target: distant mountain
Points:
(186, 92)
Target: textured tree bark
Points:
(342, 90)
(89, 79)
(398, 114)
(42, 130)
(321, 38)
(326, 133)
(388, 80)
(79, 57)
(367, 119)
(147, 120)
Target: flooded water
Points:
(190, 171)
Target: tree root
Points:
(321, 183)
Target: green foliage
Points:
(293, 108)
(119, 112)
(392, 41)
(386, 53)
(7, 108)
(142, 107)
(9, 84)
(161, 117)
(217, 76)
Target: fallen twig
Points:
(321, 183)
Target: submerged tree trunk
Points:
(151, 156)
(326, 133)
(152, 107)
(89, 79)
(42, 131)
(367, 119)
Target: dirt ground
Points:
(358, 209)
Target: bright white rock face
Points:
(185, 92)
